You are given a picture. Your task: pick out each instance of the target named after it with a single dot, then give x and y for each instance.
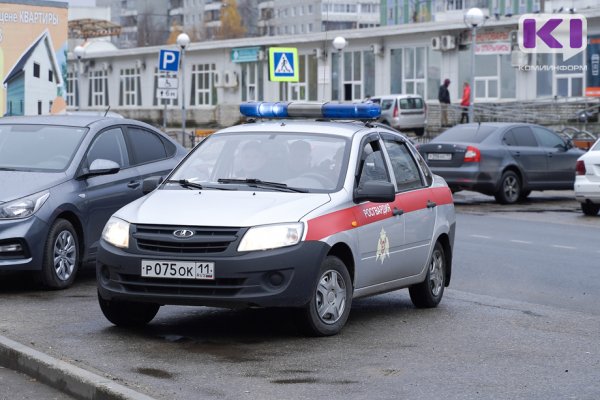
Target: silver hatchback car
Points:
(283, 212)
(404, 112)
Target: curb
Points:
(61, 375)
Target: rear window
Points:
(386, 104)
(413, 103)
(466, 133)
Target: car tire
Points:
(590, 209)
(509, 191)
(419, 132)
(128, 314)
(61, 257)
(524, 195)
(331, 299)
(428, 293)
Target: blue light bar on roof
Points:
(310, 110)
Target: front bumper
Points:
(270, 278)
(28, 234)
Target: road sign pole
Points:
(183, 96)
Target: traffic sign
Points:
(167, 83)
(168, 60)
(166, 93)
(283, 64)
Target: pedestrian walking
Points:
(465, 103)
(444, 98)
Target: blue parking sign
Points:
(168, 60)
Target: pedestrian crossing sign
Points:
(283, 64)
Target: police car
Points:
(308, 206)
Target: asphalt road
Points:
(509, 340)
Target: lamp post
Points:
(79, 52)
(182, 41)
(339, 43)
(474, 18)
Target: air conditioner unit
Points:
(377, 49)
(218, 79)
(319, 54)
(436, 43)
(230, 79)
(448, 42)
(261, 55)
(519, 59)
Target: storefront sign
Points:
(245, 54)
(492, 48)
(593, 67)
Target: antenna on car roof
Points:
(107, 110)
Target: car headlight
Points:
(271, 236)
(23, 207)
(116, 232)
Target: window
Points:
(109, 145)
(396, 71)
(252, 82)
(71, 89)
(36, 70)
(130, 87)
(203, 85)
(98, 88)
(547, 138)
(50, 76)
(408, 68)
(565, 82)
(306, 87)
(372, 164)
(495, 77)
(522, 136)
(39, 107)
(404, 166)
(145, 146)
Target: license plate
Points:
(439, 156)
(178, 269)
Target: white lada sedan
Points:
(587, 180)
(306, 206)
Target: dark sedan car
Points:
(505, 160)
(61, 178)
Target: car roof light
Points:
(310, 110)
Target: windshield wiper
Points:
(253, 182)
(186, 183)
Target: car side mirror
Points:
(101, 167)
(375, 191)
(149, 184)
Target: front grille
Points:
(222, 287)
(160, 239)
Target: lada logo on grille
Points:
(183, 233)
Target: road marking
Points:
(481, 236)
(521, 241)
(558, 246)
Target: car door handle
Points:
(134, 184)
(431, 204)
(397, 211)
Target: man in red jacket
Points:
(465, 103)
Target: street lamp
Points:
(182, 41)
(79, 52)
(339, 43)
(474, 18)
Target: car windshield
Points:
(267, 161)
(472, 133)
(38, 147)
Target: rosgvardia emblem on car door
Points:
(383, 247)
(183, 233)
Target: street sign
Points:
(283, 64)
(166, 93)
(167, 83)
(168, 60)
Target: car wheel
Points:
(428, 293)
(590, 209)
(61, 256)
(331, 298)
(510, 188)
(128, 314)
(420, 131)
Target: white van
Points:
(404, 112)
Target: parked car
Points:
(404, 112)
(587, 180)
(306, 214)
(62, 177)
(505, 160)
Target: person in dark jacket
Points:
(444, 98)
